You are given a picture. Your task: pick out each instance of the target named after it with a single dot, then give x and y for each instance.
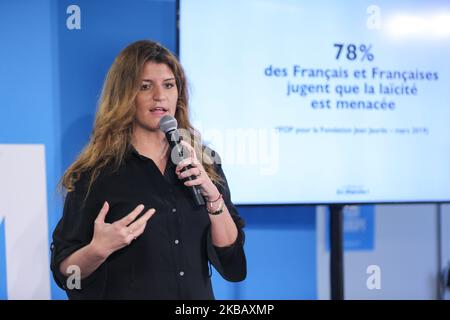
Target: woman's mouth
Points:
(158, 111)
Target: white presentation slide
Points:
(322, 102)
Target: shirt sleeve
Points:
(74, 231)
(229, 261)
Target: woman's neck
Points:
(152, 144)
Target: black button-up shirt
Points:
(170, 260)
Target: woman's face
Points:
(157, 97)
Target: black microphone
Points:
(168, 125)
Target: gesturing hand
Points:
(110, 237)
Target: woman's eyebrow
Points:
(148, 80)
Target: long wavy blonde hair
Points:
(113, 127)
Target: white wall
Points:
(23, 205)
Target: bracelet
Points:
(218, 211)
(219, 197)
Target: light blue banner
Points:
(359, 228)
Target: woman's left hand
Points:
(201, 178)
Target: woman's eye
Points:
(145, 86)
(169, 85)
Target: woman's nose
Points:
(158, 93)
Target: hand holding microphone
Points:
(188, 168)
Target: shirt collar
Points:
(132, 151)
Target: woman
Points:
(130, 228)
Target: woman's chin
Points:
(152, 126)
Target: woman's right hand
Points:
(110, 237)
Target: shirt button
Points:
(174, 210)
(181, 273)
(176, 241)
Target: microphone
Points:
(168, 125)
